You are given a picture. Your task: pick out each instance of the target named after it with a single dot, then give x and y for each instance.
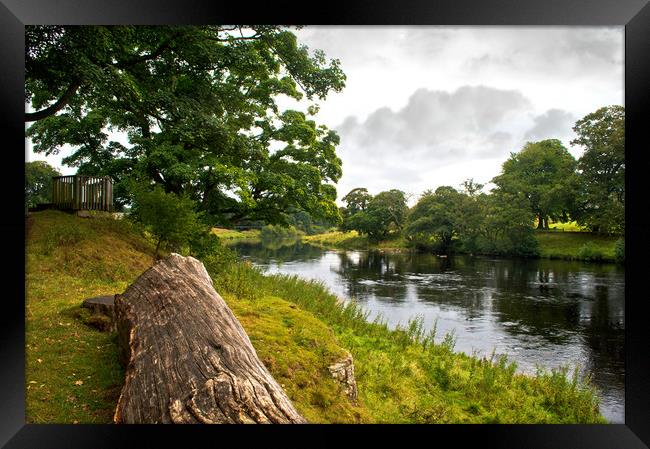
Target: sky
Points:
(426, 106)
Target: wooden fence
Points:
(79, 192)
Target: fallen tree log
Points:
(188, 359)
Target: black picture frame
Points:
(633, 14)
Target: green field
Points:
(297, 328)
(570, 245)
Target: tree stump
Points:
(188, 359)
(103, 313)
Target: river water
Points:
(540, 313)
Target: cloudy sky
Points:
(426, 106)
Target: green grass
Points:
(297, 327)
(406, 376)
(297, 348)
(576, 245)
(570, 226)
(232, 235)
(352, 240)
(72, 373)
(72, 369)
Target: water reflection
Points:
(540, 312)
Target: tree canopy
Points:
(447, 219)
(38, 182)
(601, 200)
(199, 107)
(377, 216)
(544, 173)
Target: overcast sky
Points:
(426, 106)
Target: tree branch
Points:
(56, 106)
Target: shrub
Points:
(169, 217)
(619, 252)
(272, 232)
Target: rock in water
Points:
(188, 359)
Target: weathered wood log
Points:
(188, 358)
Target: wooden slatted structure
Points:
(78, 192)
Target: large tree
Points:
(435, 219)
(198, 105)
(601, 200)
(544, 173)
(377, 216)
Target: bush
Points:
(169, 217)
(590, 253)
(619, 252)
(517, 243)
(272, 232)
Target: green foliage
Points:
(434, 219)
(38, 183)
(305, 223)
(601, 200)
(169, 217)
(198, 104)
(276, 232)
(357, 200)
(620, 250)
(469, 221)
(377, 216)
(543, 172)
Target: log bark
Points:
(188, 359)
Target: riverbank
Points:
(554, 244)
(352, 240)
(297, 328)
(231, 235)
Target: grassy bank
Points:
(569, 244)
(72, 372)
(576, 245)
(405, 376)
(232, 235)
(352, 240)
(297, 327)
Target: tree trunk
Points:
(540, 222)
(188, 358)
(155, 252)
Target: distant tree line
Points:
(542, 182)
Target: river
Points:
(539, 312)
